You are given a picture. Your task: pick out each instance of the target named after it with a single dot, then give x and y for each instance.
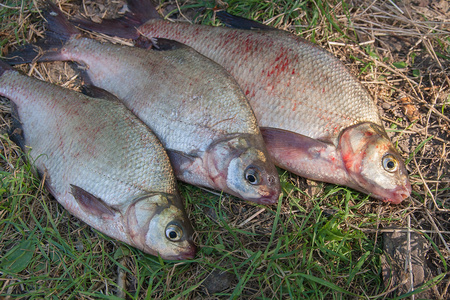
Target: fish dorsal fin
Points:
(92, 204)
(241, 23)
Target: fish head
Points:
(373, 163)
(240, 166)
(158, 226)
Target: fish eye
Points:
(252, 175)
(174, 232)
(390, 164)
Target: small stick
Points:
(252, 217)
(437, 231)
(408, 258)
(121, 280)
(401, 11)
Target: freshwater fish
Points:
(193, 105)
(317, 120)
(101, 163)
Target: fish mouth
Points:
(185, 255)
(267, 201)
(269, 197)
(399, 195)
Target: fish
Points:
(192, 104)
(101, 163)
(316, 118)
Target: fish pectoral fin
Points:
(188, 168)
(284, 140)
(92, 204)
(180, 161)
(303, 155)
(241, 23)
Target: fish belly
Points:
(92, 143)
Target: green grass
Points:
(293, 251)
(319, 244)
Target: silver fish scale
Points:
(306, 89)
(194, 116)
(95, 144)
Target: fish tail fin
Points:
(58, 26)
(143, 10)
(48, 50)
(59, 31)
(140, 11)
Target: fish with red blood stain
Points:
(101, 163)
(288, 80)
(193, 105)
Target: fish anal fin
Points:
(96, 92)
(304, 156)
(158, 44)
(92, 204)
(15, 132)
